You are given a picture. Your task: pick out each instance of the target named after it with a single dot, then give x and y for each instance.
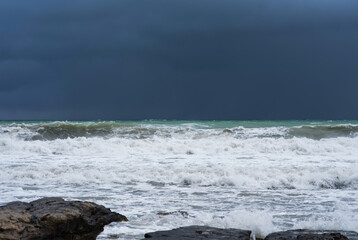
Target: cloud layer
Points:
(175, 59)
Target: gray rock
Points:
(302, 234)
(200, 232)
(55, 219)
(182, 213)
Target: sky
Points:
(178, 59)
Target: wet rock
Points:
(200, 232)
(183, 213)
(54, 218)
(189, 152)
(226, 130)
(302, 234)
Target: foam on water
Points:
(267, 178)
(251, 163)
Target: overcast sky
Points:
(178, 59)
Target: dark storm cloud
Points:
(178, 59)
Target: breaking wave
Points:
(185, 154)
(143, 130)
(324, 131)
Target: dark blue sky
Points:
(179, 59)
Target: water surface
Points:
(258, 175)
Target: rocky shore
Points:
(54, 219)
(210, 233)
(57, 219)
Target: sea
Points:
(262, 176)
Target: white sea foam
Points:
(247, 163)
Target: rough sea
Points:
(262, 176)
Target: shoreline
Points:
(55, 218)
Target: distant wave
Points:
(324, 131)
(132, 130)
(64, 130)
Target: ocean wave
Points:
(324, 131)
(135, 165)
(134, 130)
(63, 130)
(183, 146)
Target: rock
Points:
(226, 130)
(200, 232)
(54, 218)
(302, 234)
(183, 213)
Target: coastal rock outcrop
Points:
(302, 234)
(210, 233)
(200, 232)
(54, 218)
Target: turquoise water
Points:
(208, 124)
